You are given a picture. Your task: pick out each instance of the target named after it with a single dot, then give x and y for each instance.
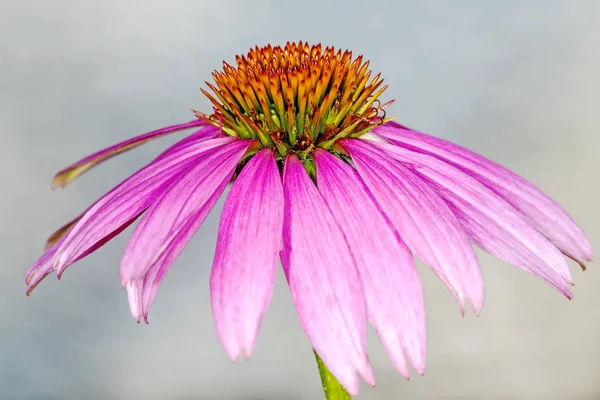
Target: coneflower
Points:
(341, 194)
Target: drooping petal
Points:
(41, 268)
(323, 279)
(491, 223)
(44, 265)
(392, 287)
(200, 135)
(142, 291)
(142, 294)
(129, 200)
(545, 214)
(243, 271)
(423, 220)
(173, 249)
(161, 266)
(68, 174)
(189, 196)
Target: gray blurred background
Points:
(516, 81)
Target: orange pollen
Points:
(296, 98)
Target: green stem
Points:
(332, 388)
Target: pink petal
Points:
(189, 197)
(243, 271)
(387, 270)
(422, 219)
(149, 287)
(490, 222)
(200, 135)
(544, 213)
(41, 268)
(323, 279)
(68, 174)
(44, 265)
(129, 200)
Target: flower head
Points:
(296, 98)
(343, 196)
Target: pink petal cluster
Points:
(346, 238)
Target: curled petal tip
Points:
(569, 296)
(367, 373)
(233, 351)
(460, 300)
(58, 182)
(59, 265)
(234, 357)
(476, 300)
(400, 364)
(59, 274)
(566, 275)
(248, 350)
(565, 291)
(60, 269)
(476, 307)
(67, 175)
(134, 296)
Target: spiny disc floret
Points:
(296, 98)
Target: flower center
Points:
(296, 98)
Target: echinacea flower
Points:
(343, 196)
